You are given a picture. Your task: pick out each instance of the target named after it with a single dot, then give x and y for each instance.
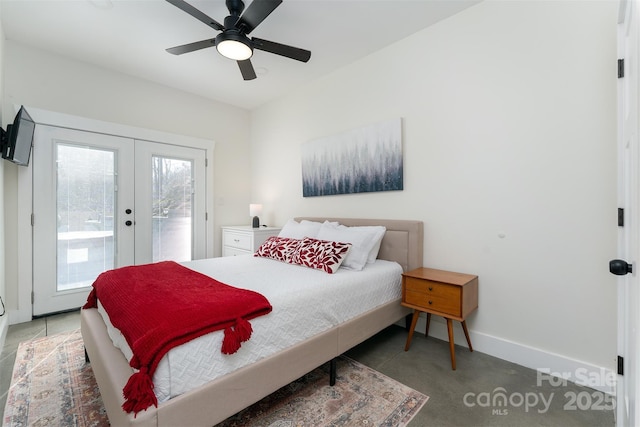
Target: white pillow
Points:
(300, 230)
(379, 234)
(362, 239)
(296, 230)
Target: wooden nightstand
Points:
(244, 239)
(443, 293)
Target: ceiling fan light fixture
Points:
(233, 41)
(233, 46)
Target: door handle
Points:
(128, 223)
(620, 267)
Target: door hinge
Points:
(620, 68)
(33, 297)
(33, 220)
(206, 216)
(620, 217)
(620, 365)
(206, 162)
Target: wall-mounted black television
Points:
(18, 138)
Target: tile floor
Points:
(463, 397)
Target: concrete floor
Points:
(463, 397)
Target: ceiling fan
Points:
(233, 42)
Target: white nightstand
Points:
(244, 239)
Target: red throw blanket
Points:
(160, 306)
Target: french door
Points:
(102, 202)
(171, 211)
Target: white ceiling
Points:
(130, 36)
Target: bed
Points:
(222, 397)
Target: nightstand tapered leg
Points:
(452, 348)
(426, 331)
(466, 334)
(414, 320)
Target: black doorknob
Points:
(620, 267)
(127, 211)
(128, 223)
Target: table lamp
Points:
(255, 210)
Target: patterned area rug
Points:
(52, 386)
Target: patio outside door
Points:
(102, 202)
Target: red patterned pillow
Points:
(278, 248)
(321, 254)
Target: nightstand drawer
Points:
(433, 302)
(433, 288)
(229, 251)
(237, 240)
(431, 295)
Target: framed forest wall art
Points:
(357, 161)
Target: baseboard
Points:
(553, 368)
(20, 316)
(4, 328)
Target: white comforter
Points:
(305, 302)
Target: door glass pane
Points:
(85, 209)
(172, 208)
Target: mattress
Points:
(305, 303)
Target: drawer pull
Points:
(430, 288)
(430, 302)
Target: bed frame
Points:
(217, 400)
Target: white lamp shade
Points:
(255, 209)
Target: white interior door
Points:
(627, 393)
(81, 190)
(102, 202)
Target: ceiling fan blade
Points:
(190, 47)
(248, 73)
(281, 49)
(186, 7)
(257, 11)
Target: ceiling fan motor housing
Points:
(235, 9)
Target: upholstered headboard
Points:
(402, 243)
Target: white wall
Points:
(51, 82)
(509, 128)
